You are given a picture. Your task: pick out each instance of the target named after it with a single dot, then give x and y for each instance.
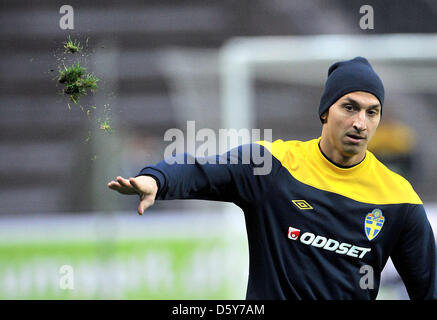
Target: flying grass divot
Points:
(72, 46)
(105, 123)
(76, 79)
(78, 82)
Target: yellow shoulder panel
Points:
(278, 148)
(369, 181)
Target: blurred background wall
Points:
(158, 64)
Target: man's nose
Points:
(360, 121)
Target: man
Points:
(328, 212)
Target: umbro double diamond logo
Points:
(302, 204)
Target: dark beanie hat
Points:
(348, 76)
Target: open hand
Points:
(144, 186)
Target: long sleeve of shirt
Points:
(228, 177)
(415, 255)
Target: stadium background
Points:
(159, 65)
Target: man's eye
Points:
(349, 107)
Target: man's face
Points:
(351, 122)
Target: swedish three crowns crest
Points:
(373, 223)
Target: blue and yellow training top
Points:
(314, 229)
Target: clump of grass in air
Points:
(105, 125)
(72, 46)
(71, 74)
(77, 81)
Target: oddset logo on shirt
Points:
(293, 233)
(318, 241)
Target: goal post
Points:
(239, 58)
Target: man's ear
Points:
(324, 116)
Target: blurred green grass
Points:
(126, 269)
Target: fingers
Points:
(141, 208)
(124, 182)
(134, 184)
(122, 185)
(131, 184)
(144, 205)
(114, 185)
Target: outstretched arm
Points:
(241, 175)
